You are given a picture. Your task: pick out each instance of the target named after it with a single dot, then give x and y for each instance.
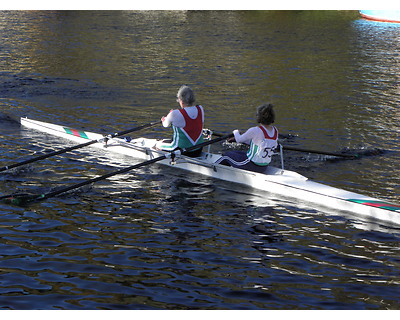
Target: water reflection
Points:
(159, 239)
(379, 63)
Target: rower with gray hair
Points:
(187, 124)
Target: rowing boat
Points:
(274, 180)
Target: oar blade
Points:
(20, 199)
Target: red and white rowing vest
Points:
(189, 135)
(261, 152)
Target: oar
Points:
(21, 199)
(54, 153)
(349, 156)
(327, 153)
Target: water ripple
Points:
(156, 238)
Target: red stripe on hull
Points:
(365, 16)
(75, 132)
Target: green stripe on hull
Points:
(76, 133)
(377, 204)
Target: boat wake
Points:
(365, 152)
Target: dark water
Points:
(161, 239)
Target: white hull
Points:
(381, 15)
(277, 181)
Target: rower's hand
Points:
(155, 147)
(163, 118)
(232, 139)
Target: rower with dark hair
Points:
(262, 139)
(187, 124)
